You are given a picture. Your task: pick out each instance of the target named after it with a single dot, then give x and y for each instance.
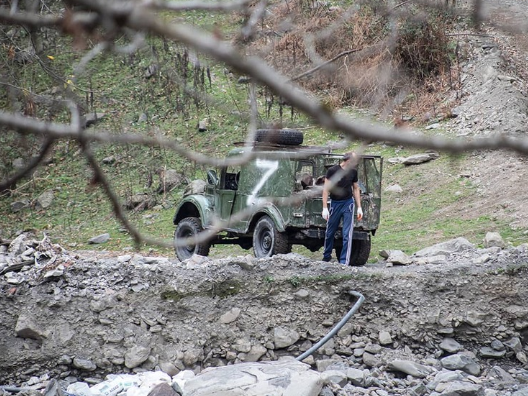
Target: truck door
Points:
(225, 196)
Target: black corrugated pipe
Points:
(336, 328)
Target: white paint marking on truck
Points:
(271, 167)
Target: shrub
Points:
(423, 47)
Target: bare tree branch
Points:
(35, 162)
(31, 19)
(196, 5)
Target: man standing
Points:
(341, 184)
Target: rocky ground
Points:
(448, 317)
(494, 102)
(449, 320)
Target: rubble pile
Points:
(450, 318)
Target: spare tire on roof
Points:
(290, 137)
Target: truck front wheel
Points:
(267, 240)
(188, 228)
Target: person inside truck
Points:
(341, 185)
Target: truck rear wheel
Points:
(189, 227)
(360, 252)
(267, 240)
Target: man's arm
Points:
(357, 198)
(326, 187)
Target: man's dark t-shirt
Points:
(343, 188)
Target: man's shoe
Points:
(327, 259)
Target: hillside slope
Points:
(483, 189)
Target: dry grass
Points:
(354, 61)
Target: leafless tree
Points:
(98, 27)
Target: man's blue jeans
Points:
(340, 210)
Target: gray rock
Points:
(514, 344)
(373, 348)
(475, 318)
(446, 376)
(371, 360)
(334, 377)
(461, 388)
(450, 345)
(283, 337)
(256, 352)
(494, 239)
(193, 355)
(18, 245)
(230, 316)
(522, 357)
(242, 345)
(456, 245)
(124, 258)
(409, 367)
(55, 272)
(169, 179)
(44, 200)
(109, 160)
(420, 158)
(18, 164)
(102, 238)
(169, 368)
(162, 389)
(195, 187)
(487, 352)
(501, 375)
(136, 356)
(325, 364)
(26, 328)
(284, 377)
(356, 377)
(395, 188)
(399, 257)
(17, 206)
(384, 338)
(498, 345)
(84, 364)
(138, 202)
(521, 392)
(461, 362)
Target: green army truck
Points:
(274, 201)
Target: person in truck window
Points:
(341, 185)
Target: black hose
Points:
(336, 328)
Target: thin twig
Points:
(324, 64)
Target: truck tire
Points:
(360, 252)
(189, 227)
(290, 137)
(267, 240)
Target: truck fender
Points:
(194, 206)
(273, 213)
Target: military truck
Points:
(279, 191)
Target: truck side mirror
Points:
(211, 177)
